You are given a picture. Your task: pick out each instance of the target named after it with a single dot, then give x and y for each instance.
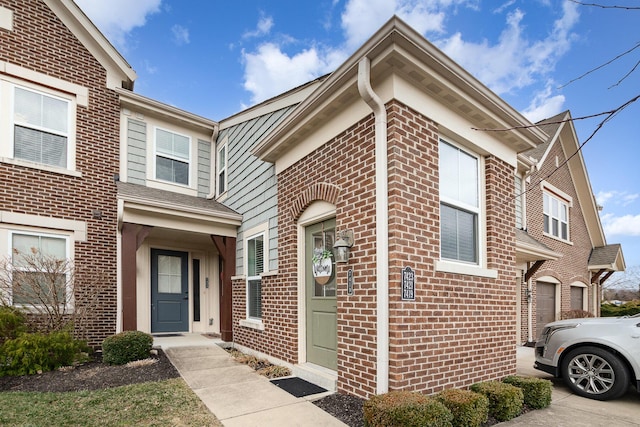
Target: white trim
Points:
(251, 323)
(545, 186)
(223, 146)
(78, 228)
(6, 19)
(260, 230)
(548, 279)
(470, 269)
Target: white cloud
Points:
(265, 23)
(514, 61)
(264, 70)
(116, 18)
(544, 105)
(626, 225)
(620, 198)
(180, 34)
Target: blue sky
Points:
(215, 58)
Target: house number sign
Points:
(408, 284)
(350, 282)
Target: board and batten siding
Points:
(252, 185)
(136, 152)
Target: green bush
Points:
(126, 347)
(627, 309)
(469, 409)
(12, 323)
(536, 391)
(32, 353)
(505, 400)
(405, 409)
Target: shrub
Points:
(126, 347)
(627, 309)
(505, 400)
(536, 391)
(32, 353)
(405, 409)
(469, 409)
(575, 314)
(12, 323)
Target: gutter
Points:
(382, 224)
(213, 177)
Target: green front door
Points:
(320, 282)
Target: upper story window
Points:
(519, 199)
(40, 128)
(221, 170)
(556, 216)
(255, 251)
(173, 156)
(39, 278)
(459, 204)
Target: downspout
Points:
(213, 177)
(382, 224)
(529, 308)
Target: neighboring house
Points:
(59, 116)
(563, 257)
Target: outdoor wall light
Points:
(342, 246)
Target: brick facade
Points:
(41, 42)
(457, 323)
(573, 265)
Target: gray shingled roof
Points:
(604, 255)
(170, 198)
(524, 237)
(550, 129)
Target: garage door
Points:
(545, 305)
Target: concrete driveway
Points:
(568, 410)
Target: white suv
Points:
(597, 358)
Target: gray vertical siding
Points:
(252, 186)
(204, 168)
(136, 152)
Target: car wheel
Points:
(595, 373)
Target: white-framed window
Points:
(255, 259)
(459, 204)
(221, 170)
(520, 202)
(172, 157)
(556, 216)
(40, 270)
(41, 127)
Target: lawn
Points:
(162, 403)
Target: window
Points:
(38, 276)
(222, 169)
(255, 266)
(40, 128)
(459, 204)
(172, 157)
(519, 196)
(556, 217)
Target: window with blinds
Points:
(555, 217)
(40, 128)
(459, 204)
(222, 170)
(255, 267)
(172, 157)
(519, 196)
(37, 277)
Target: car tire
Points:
(595, 373)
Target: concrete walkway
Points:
(235, 393)
(238, 396)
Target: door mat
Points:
(297, 386)
(160, 335)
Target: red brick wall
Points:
(459, 330)
(572, 266)
(40, 42)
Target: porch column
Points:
(132, 237)
(227, 249)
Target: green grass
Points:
(163, 403)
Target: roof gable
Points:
(119, 72)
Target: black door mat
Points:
(161, 335)
(297, 386)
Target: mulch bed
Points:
(92, 375)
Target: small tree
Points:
(57, 294)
